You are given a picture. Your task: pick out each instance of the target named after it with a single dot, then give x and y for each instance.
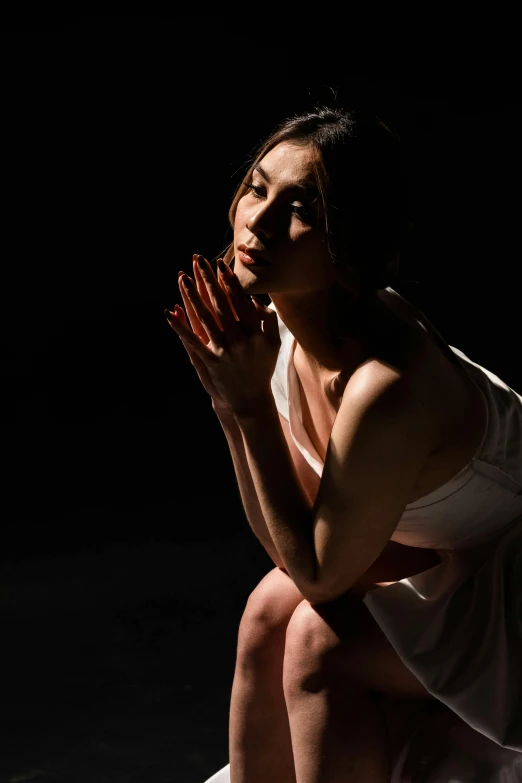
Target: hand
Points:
(234, 341)
(220, 406)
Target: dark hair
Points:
(362, 185)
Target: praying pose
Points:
(379, 467)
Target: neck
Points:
(330, 326)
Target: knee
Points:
(266, 616)
(312, 650)
(308, 637)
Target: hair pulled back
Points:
(362, 185)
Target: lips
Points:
(251, 256)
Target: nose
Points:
(261, 222)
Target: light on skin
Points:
(281, 217)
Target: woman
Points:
(367, 451)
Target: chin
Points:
(252, 287)
(248, 280)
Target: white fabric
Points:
(458, 625)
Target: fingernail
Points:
(222, 266)
(187, 282)
(167, 315)
(201, 262)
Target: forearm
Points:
(247, 491)
(284, 505)
(395, 562)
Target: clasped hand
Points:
(233, 340)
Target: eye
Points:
(256, 190)
(306, 214)
(303, 213)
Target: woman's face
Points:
(281, 218)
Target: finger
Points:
(188, 337)
(180, 314)
(259, 305)
(200, 283)
(219, 302)
(224, 288)
(198, 364)
(194, 358)
(242, 303)
(203, 313)
(195, 323)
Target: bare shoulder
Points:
(416, 361)
(388, 392)
(403, 374)
(398, 354)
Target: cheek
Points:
(307, 241)
(240, 218)
(313, 251)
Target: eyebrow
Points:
(306, 188)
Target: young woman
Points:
(380, 468)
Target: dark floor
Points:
(117, 665)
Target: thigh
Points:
(343, 638)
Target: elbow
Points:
(319, 598)
(317, 588)
(316, 598)
(325, 592)
(317, 594)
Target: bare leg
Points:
(260, 747)
(336, 661)
(338, 735)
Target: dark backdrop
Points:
(125, 559)
(123, 141)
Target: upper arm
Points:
(379, 443)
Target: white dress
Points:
(458, 625)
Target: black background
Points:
(124, 139)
